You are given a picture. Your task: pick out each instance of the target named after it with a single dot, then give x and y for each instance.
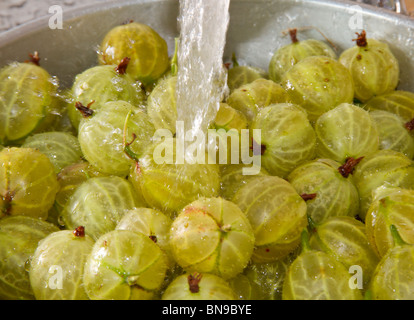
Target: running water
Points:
(201, 77)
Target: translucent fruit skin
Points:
(152, 223)
(99, 203)
(161, 104)
(386, 168)
(102, 84)
(345, 239)
(28, 183)
(169, 187)
(233, 178)
(62, 148)
(392, 133)
(374, 69)
(287, 135)
(393, 277)
(124, 265)
(335, 194)
(277, 214)
(212, 235)
(346, 131)
(240, 75)
(318, 84)
(398, 102)
(211, 287)
(315, 275)
(287, 56)
(147, 50)
(251, 97)
(19, 237)
(27, 93)
(56, 268)
(391, 206)
(101, 136)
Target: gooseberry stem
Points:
(193, 282)
(234, 60)
(361, 40)
(174, 60)
(34, 58)
(132, 155)
(305, 240)
(293, 35)
(85, 111)
(409, 125)
(122, 66)
(396, 236)
(348, 167)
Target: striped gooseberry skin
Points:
(101, 136)
(233, 178)
(252, 97)
(393, 277)
(28, 94)
(287, 135)
(345, 239)
(152, 223)
(64, 252)
(102, 84)
(318, 84)
(399, 102)
(212, 235)
(124, 265)
(287, 56)
(347, 131)
(161, 104)
(62, 148)
(277, 214)
(19, 237)
(336, 195)
(28, 183)
(169, 185)
(390, 206)
(99, 203)
(315, 275)
(210, 287)
(385, 168)
(147, 50)
(243, 74)
(393, 135)
(69, 178)
(374, 69)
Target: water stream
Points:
(201, 77)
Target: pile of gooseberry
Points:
(89, 211)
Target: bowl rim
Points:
(72, 14)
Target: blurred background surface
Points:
(16, 12)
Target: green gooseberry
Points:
(347, 131)
(374, 68)
(28, 94)
(102, 136)
(146, 49)
(100, 84)
(28, 183)
(287, 137)
(19, 238)
(250, 98)
(329, 192)
(288, 55)
(318, 84)
(212, 235)
(399, 102)
(277, 214)
(124, 265)
(57, 276)
(99, 203)
(385, 168)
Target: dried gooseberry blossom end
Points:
(79, 232)
(194, 281)
(348, 167)
(361, 40)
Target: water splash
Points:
(201, 77)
